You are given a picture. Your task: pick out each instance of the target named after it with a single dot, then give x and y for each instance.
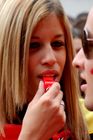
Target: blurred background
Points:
(74, 7)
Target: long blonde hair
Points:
(18, 19)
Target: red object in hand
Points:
(48, 81)
(12, 132)
(64, 135)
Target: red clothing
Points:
(12, 132)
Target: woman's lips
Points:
(53, 74)
(83, 83)
(83, 87)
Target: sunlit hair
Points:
(18, 18)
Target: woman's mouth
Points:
(83, 86)
(51, 74)
(54, 77)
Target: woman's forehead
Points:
(89, 22)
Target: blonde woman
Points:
(35, 42)
(85, 66)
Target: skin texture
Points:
(35, 43)
(46, 56)
(86, 66)
(48, 108)
(45, 105)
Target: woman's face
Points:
(86, 73)
(47, 52)
(86, 67)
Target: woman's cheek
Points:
(91, 71)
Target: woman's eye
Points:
(57, 44)
(34, 45)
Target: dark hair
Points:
(78, 24)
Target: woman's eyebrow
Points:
(60, 35)
(56, 36)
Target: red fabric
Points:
(11, 132)
(64, 134)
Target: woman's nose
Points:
(78, 60)
(49, 56)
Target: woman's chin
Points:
(88, 103)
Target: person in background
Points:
(77, 29)
(36, 42)
(84, 62)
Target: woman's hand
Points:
(45, 114)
